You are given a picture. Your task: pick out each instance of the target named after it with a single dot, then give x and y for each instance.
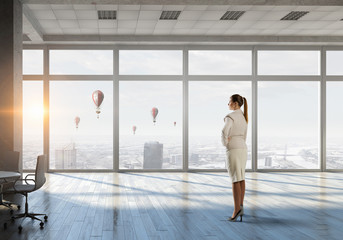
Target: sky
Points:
(287, 109)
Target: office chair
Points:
(9, 161)
(23, 187)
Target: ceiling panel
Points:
(68, 23)
(71, 31)
(44, 14)
(86, 14)
(88, 23)
(65, 14)
(149, 15)
(107, 24)
(127, 15)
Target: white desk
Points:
(4, 175)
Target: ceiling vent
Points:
(170, 15)
(294, 15)
(232, 15)
(107, 15)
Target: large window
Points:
(33, 115)
(148, 62)
(151, 81)
(289, 63)
(81, 131)
(208, 105)
(334, 63)
(220, 62)
(334, 127)
(81, 62)
(288, 125)
(150, 125)
(33, 62)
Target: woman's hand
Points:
(228, 139)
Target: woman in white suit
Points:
(234, 135)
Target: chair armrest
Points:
(23, 179)
(30, 174)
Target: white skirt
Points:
(235, 163)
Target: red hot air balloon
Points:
(154, 112)
(98, 97)
(77, 120)
(134, 129)
(174, 124)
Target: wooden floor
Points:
(182, 206)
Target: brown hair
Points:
(241, 100)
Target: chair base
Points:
(29, 215)
(9, 205)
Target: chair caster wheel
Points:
(41, 224)
(46, 218)
(20, 228)
(18, 207)
(5, 225)
(11, 211)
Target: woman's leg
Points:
(236, 192)
(242, 184)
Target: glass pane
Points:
(152, 145)
(220, 62)
(78, 138)
(147, 62)
(33, 113)
(334, 63)
(288, 125)
(33, 62)
(334, 127)
(288, 63)
(207, 108)
(81, 62)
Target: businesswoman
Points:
(234, 135)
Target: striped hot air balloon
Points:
(154, 112)
(77, 120)
(97, 97)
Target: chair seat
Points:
(22, 188)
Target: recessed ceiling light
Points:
(294, 15)
(170, 15)
(107, 15)
(232, 15)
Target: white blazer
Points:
(235, 127)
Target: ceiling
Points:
(196, 23)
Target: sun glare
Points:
(36, 112)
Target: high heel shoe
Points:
(238, 214)
(242, 210)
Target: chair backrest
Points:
(9, 161)
(40, 172)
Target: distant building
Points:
(194, 158)
(176, 159)
(153, 155)
(268, 161)
(66, 158)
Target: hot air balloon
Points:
(174, 124)
(134, 129)
(77, 120)
(98, 97)
(154, 112)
